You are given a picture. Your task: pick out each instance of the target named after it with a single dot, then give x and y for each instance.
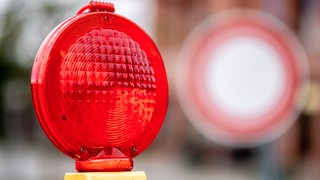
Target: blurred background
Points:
(179, 151)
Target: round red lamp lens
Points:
(99, 90)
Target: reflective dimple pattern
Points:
(107, 84)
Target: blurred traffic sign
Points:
(242, 78)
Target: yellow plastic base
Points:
(138, 175)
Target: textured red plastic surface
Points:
(99, 90)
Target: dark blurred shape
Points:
(10, 29)
(19, 40)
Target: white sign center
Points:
(245, 76)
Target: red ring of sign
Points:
(223, 124)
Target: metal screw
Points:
(82, 149)
(134, 149)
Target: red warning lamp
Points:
(99, 89)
